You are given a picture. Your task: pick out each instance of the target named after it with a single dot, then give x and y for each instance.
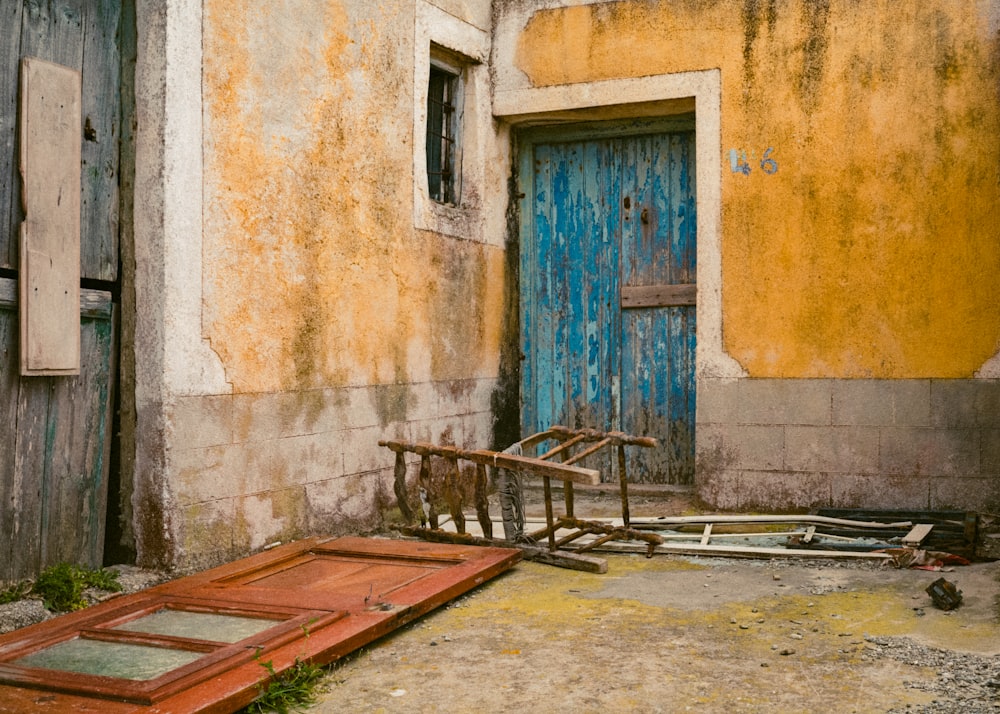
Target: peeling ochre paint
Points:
(314, 275)
(872, 250)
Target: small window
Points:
(443, 114)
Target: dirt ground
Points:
(674, 634)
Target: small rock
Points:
(785, 653)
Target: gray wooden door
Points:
(55, 432)
(608, 287)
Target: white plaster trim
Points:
(706, 88)
(466, 220)
(189, 366)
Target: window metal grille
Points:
(441, 135)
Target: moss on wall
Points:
(869, 247)
(313, 273)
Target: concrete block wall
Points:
(913, 443)
(247, 470)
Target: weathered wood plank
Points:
(50, 233)
(534, 467)
(11, 485)
(28, 476)
(77, 452)
(10, 54)
(659, 295)
(100, 157)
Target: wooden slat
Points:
(659, 295)
(10, 53)
(93, 303)
(99, 190)
(50, 233)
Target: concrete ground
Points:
(674, 634)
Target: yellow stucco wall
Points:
(873, 249)
(313, 273)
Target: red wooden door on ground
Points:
(202, 643)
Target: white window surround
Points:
(603, 99)
(437, 27)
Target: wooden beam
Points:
(659, 295)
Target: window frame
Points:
(450, 65)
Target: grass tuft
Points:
(289, 691)
(61, 586)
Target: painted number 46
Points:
(738, 162)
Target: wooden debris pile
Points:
(925, 539)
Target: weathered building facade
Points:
(765, 231)
(847, 260)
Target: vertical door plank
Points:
(50, 233)
(658, 343)
(28, 475)
(11, 484)
(77, 448)
(10, 209)
(52, 30)
(101, 133)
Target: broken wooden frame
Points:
(559, 462)
(877, 535)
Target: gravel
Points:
(965, 683)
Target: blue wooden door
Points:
(608, 287)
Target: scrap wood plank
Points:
(559, 558)
(917, 534)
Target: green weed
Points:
(61, 586)
(289, 691)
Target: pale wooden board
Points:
(917, 534)
(50, 234)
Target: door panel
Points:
(605, 210)
(658, 341)
(55, 440)
(319, 600)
